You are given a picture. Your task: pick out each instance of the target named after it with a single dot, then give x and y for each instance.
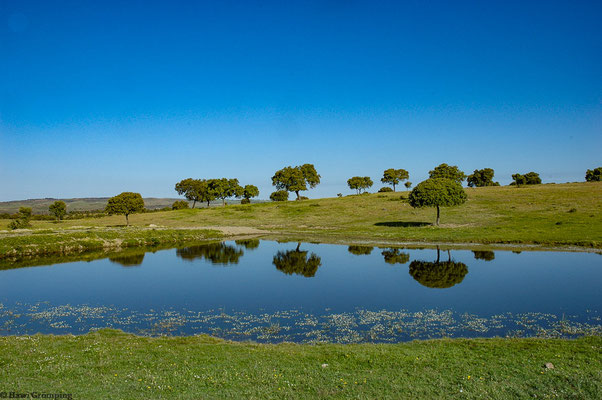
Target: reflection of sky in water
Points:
(277, 277)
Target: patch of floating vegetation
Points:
(359, 326)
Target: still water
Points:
(271, 292)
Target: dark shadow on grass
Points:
(402, 224)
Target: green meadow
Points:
(111, 364)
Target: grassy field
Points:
(20, 248)
(552, 214)
(111, 364)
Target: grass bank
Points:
(21, 247)
(114, 364)
(550, 215)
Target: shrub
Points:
(179, 205)
(23, 218)
(279, 195)
(245, 201)
(385, 189)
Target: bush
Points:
(245, 201)
(279, 195)
(23, 218)
(385, 189)
(179, 205)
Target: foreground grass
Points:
(112, 364)
(554, 215)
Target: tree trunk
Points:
(193, 203)
(298, 245)
(224, 201)
(438, 254)
(208, 201)
(127, 221)
(437, 215)
(297, 192)
(448, 255)
(393, 187)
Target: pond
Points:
(268, 291)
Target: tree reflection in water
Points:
(360, 250)
(217, 253)
(483, 255)
(248, 244)
(297, 262)
(438, 274)
(395, 256)
(132, 260)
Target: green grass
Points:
(111, 364)
(18, 248)
(554, 215)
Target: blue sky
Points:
(97, 98)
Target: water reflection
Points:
(217, 253)
(360, 250)
(395, 256)
(483, 255)
(248, 244)
(438, 274)
(297, 262)
(132, 260)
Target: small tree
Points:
(393, 176)
(408, 185)
(125, 203)
(296, 179)
(179, 205)
(385, 189)
(448, 172)
(249, 191)
(437, 192)
(531, 178)
(482, 177)
(23, 218)
(58, 209)
(593, 175)
(279, 195)
(359, 183)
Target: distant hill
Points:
(40, 206)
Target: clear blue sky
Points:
(100, 97)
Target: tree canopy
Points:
(195, 190)
(530, 178)
(437, 192)
(250, 191)
(445, 171)
(593, 175)
(482, 177)
(296, 179)
(58, 209)
(23, 218)
(125, 203)
(359, 183)
(393, 176)
(224, 188)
